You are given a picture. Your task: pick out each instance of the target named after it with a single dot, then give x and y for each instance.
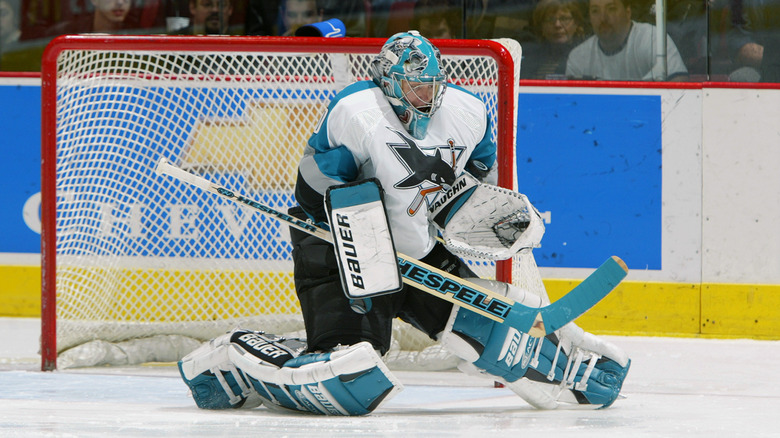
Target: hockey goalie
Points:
(402, 162)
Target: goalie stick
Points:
(537, 322)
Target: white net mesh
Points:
(140, 255)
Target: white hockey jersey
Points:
(635, 61)
(361, 137)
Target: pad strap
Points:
(215, 383)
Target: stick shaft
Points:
(535, 321)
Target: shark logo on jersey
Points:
(429, 174)
(422, 167)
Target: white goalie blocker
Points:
(362, 240)
(485, 221)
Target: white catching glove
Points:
(485, 221)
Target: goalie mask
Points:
(409, 71)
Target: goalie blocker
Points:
(364, 247)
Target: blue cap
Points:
(333, 28)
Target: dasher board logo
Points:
(184, 222)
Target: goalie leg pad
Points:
(598, 384)
(215, 383)
(347, 381)
(539, 370)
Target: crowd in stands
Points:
(706, 40)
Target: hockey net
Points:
(139, 267)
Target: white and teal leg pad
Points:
(348, 381)
(546, 372)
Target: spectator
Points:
(9, 33)
(559, 26)
(753, 40)
(622, 49)
(16, 55)
(9, 24)
(478, 20)
(296, 13)
(208, 17)
(436, 19)
(109, 16)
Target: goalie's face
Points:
(421, 95)
(417, 99)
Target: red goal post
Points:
(126, 255)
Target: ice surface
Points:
(676, 388)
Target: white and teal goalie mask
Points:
(409, 71)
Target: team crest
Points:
(431, 169)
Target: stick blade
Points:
(621, 263)
(587, 294)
